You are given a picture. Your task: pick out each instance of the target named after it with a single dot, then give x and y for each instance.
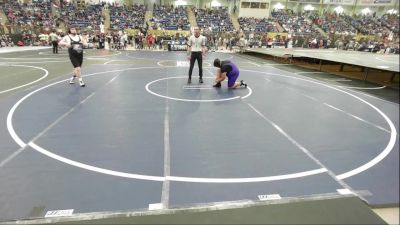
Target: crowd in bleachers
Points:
(366, 46)
(357, 24)
(334, 23)
(294, 22)
(251, 24)
(366, 24)
(302, 27)
(391, 22)
(124, 17)
(170, 18)
(216, 19)
(5, 41)
(37, 14)
(89, 16)
(372, 25)
(331, 22)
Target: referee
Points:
(196, 51)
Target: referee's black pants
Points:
(55, 47)
(199, 57)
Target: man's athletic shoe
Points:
(81, 83)
(72, 80)
(200, 80)
(243, 84)
(217, 85)
(189, 80)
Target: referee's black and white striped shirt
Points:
(197, 43)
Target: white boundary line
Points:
(160, 63)
(258, 65)
(344, 87)
(167, 156)
(93, 168)
(51, 53)
(204, 60)
(299, 146)
(189, 100)
(12, 156)
(140, 58)
(46, 73)
(340, 110)
(10, 127)
(247, 180)
(355, 91)
(309, 97)
(130, 175)
(40, 62)
(28, 58)
(357, 118)
(368, 95)
(393, 132)
(108, 62)
(363, 88)
(102, 56)
(197, 88)
(353, 172)
(63, 56)
(250, 92)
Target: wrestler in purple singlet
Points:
(231, 70)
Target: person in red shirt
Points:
(150, 40)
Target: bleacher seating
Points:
(123, 17)
(361, 24)
(34, 14)
(91, 16)
(24, 18)
(335, 24)
(216, 19)
(250, 24)
(169, 18)
(294, 23)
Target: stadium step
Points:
(235, 21)
(192, 17)
(279, 27)
(107, 22)
(4, 20)
(148, 16)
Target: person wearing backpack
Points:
(74, 42)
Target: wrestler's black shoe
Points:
(243, 84)
(217, 85)
(189, 80)
(201, 80)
